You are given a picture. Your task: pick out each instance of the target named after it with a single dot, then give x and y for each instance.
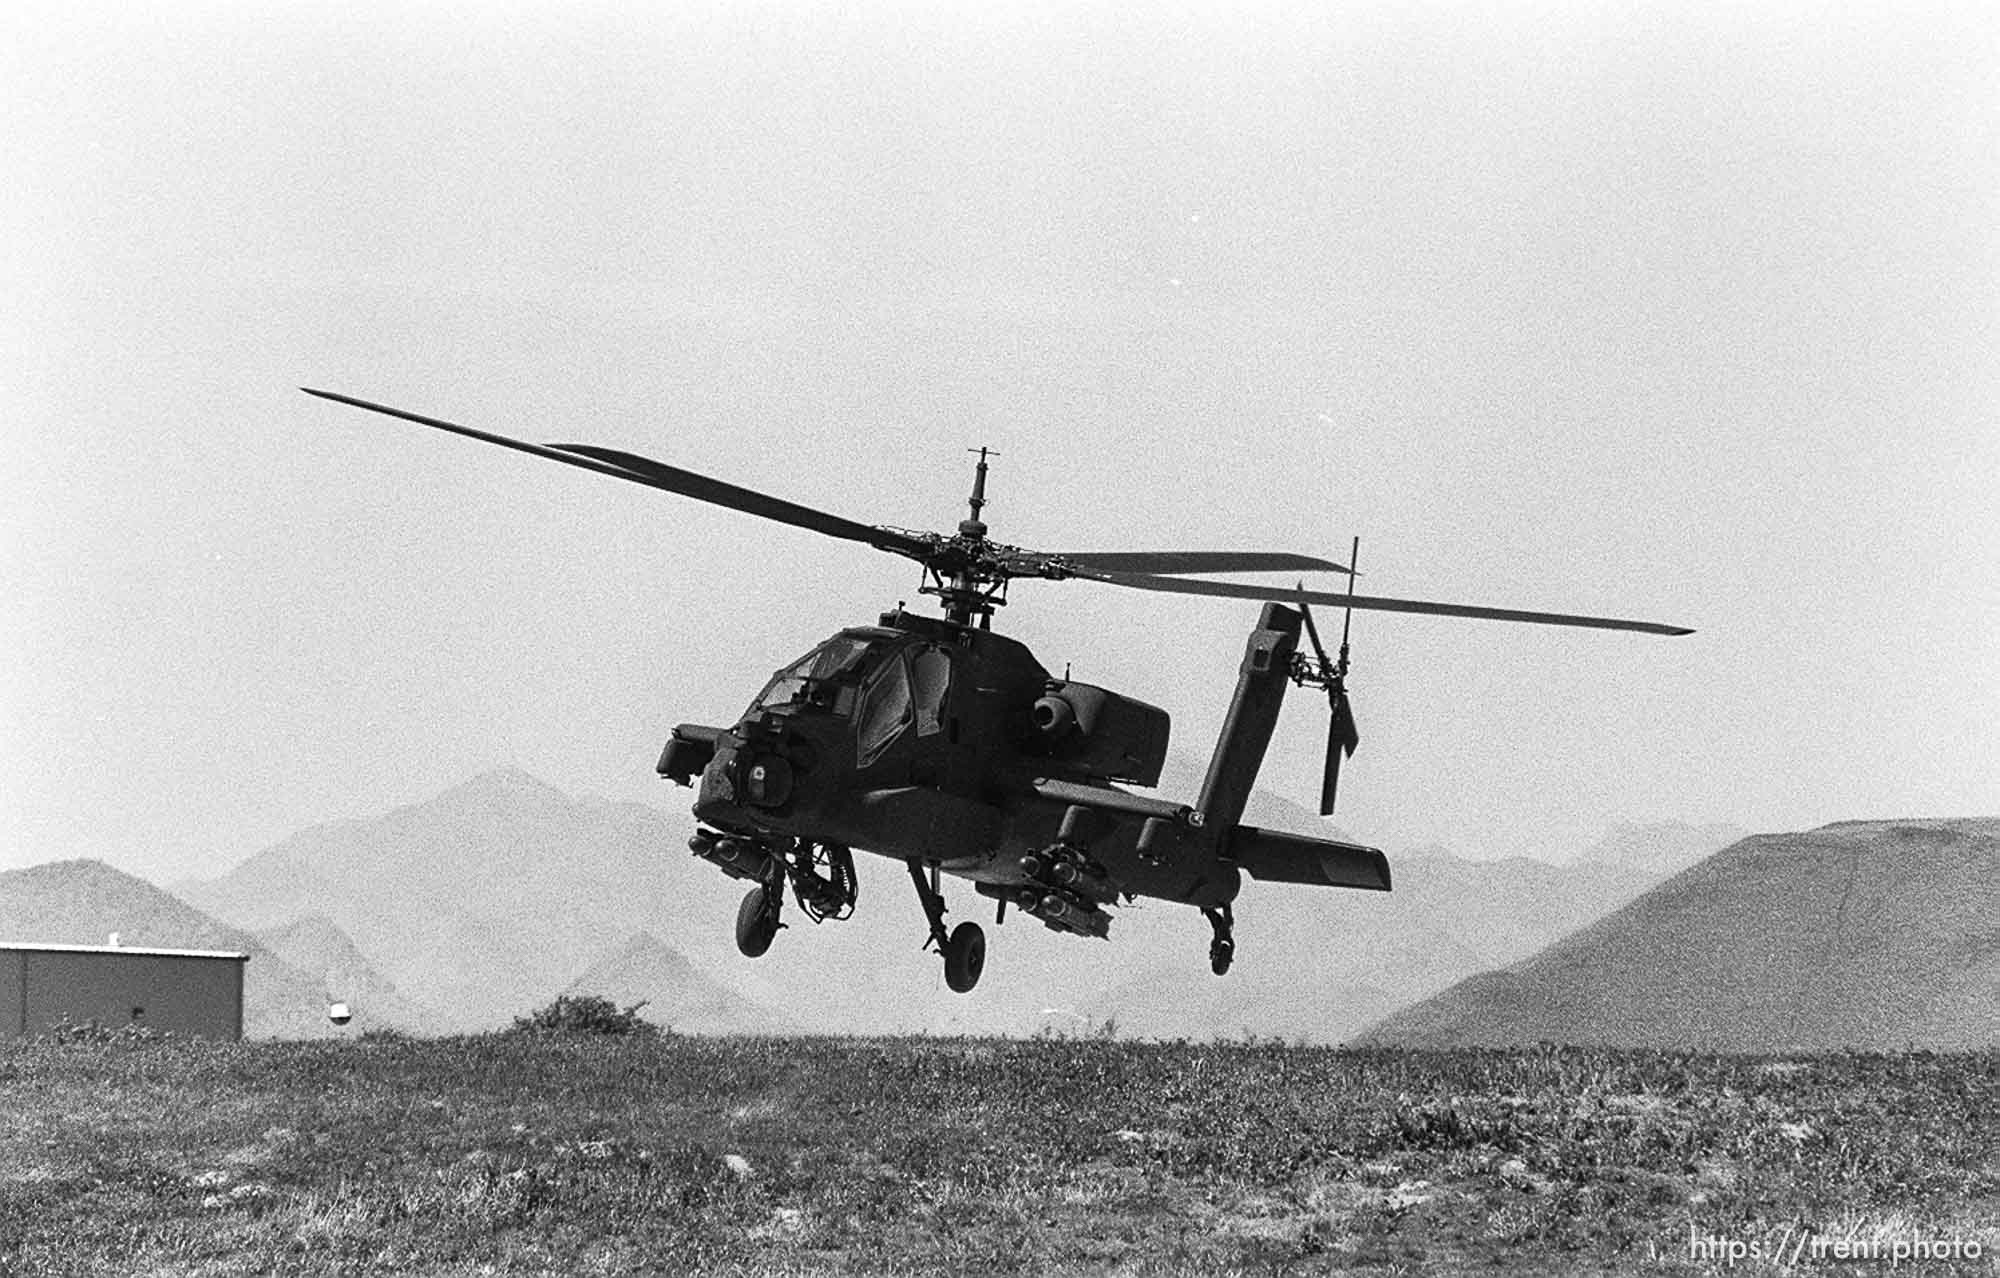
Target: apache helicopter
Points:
(941, 744)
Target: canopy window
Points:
(930, 679)
(886, 709)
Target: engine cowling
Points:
(1096, 733)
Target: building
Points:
(188, 992)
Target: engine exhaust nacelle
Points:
(1054, 717)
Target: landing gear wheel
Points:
(756, 921)
(964, 957)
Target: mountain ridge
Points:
(477, 902)
(314, 946)
(82, 901)
(501, 892)
(1870, 934)
(677, 994)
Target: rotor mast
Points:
(961, 585)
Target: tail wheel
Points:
(756, 921)
(1220, 954)
(1221, 950)
(964, 957)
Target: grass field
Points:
(520, 1153)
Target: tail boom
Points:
(1253, 714)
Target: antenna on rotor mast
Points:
(973, 526)
(1347, 623)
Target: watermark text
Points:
(1799, 1245)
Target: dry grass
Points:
(518, 1154)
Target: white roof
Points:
(121, 949)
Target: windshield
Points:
(824, 677)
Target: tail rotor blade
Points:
(1330, 782)
(1341, 738)
(1346, 733)
(1312, 631)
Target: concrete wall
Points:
(180, 994)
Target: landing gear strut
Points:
(964, 948)
(1223, 948)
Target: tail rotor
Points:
(1320, 671)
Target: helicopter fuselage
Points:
(949, 745)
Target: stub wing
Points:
(1277, 857)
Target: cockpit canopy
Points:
(883, 680)
(828, 676)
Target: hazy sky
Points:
(1677, 312)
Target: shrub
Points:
(96, 1033)
(586, 1014)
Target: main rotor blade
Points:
(700, 487)
(673, 479)
(1282, 594)
(1183, 561)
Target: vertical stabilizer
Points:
(1253, 714)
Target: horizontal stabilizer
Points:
(1290, 858)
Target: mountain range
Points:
(1862, 934)
(83, 902)
(674, 993)
(324, 954)
(503, 892)
(1662, 848)
(489, 900)
(481, 903)
(1321, 966)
